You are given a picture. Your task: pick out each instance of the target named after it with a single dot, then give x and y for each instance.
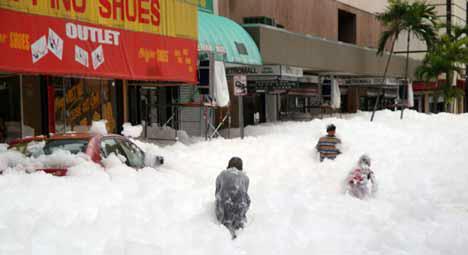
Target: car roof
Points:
(26, 140)
(80, 136)
(65, 136)
(68, 136)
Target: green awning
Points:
(227, 38)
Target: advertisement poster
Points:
(240, 85)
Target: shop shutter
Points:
(191, 118)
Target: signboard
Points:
(240, 85)
(139, 40)
(255, 70)
(267, 70)
(372, 81)
(291, 71)
(270, 85)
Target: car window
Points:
(74, 146)
(109, 146)
(136, 157)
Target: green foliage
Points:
(447, 57)
(416, 18)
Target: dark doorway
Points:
(153, 104)
(10, 107)
(346, 27)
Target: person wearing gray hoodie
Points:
(232, 198)
(358, 180)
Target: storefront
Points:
(360, 93)
(278, 92)
(223, 44)
(329, 59)
(428, 98)
(64, 66)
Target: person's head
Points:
(331, 129)
(364, 161)
(235, 162)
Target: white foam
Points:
(297, 206)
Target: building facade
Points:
(323, 41)
(66, 64)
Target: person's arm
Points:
(338, 146)
(374, 183)
(218, 184)
(247, 182)
(317, 146)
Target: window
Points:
(74, 146)
(78, 102)
(241, 48)
(109, 146)
(346, 27)
(135, 157)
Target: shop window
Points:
(241, 48)
(346, 27)
(78, 102)
(32, 110)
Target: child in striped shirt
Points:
(328, 146)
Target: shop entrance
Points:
(10, 108)
(156, 108)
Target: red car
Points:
(95, 146)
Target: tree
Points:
(447, 57)
(417, 18)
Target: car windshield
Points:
(74, 146)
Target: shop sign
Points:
(139, 40)
(372, 81)
(265, 70)
(291, 71)
(240, 85)
(268, 85)
(309, 79)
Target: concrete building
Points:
(322, 40)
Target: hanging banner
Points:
(134, 39)
(221, 90)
